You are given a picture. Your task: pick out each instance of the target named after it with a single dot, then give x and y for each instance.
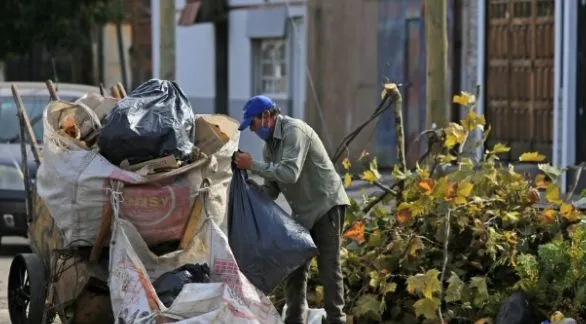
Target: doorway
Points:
(519, 75)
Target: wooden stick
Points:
(27, 124)
(52, 90)
(102, 91)
(121, 90)
(115, 92)
(27, 185)
(102, 233)
(194, 217)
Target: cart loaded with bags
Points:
(126, 214)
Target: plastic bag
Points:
(515, 310)
(228, 298)
(312, 315)
(169, 285)
(267, 243)
(155, 120)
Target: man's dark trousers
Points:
(326, 234)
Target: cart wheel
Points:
(27, 289)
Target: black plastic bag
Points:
(267, 243)
(515, 310)
(169, 284)
(155, 120)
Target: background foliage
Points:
(455, 237)
(63, 24)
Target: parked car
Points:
(12, 193)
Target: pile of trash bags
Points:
(190, 240)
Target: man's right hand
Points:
(253, 183)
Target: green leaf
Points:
(390, 287)
(499, 148)
(512, 217)
(375, 239)
(478, 284)
(426, 284)
(552, 193)
(552, 172)
(368, 308)
(532, 157)
(372, 173)
(427, 308)
(455, 287)
(415, 246)
(397, 174)
(466, 164)
(374, 279)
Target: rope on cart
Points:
(204, 191)
(116, 197)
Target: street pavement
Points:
(15, 245)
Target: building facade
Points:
(326, 61)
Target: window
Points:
(270, 66)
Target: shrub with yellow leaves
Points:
(454, 237)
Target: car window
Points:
(34, 105)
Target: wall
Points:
(140, 54)
(112, 69)
(195, 63)
(402, 60)
(342, 62)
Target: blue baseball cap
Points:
(253, 108)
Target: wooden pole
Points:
(121, 90)
(115, 92)
(167, 39)
(436, 38)
(27, 124)
(24, 157)
(52, 90)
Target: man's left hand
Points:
(243, 160)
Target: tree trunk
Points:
(436, 37)
(167, 42)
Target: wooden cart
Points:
(53, 281)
